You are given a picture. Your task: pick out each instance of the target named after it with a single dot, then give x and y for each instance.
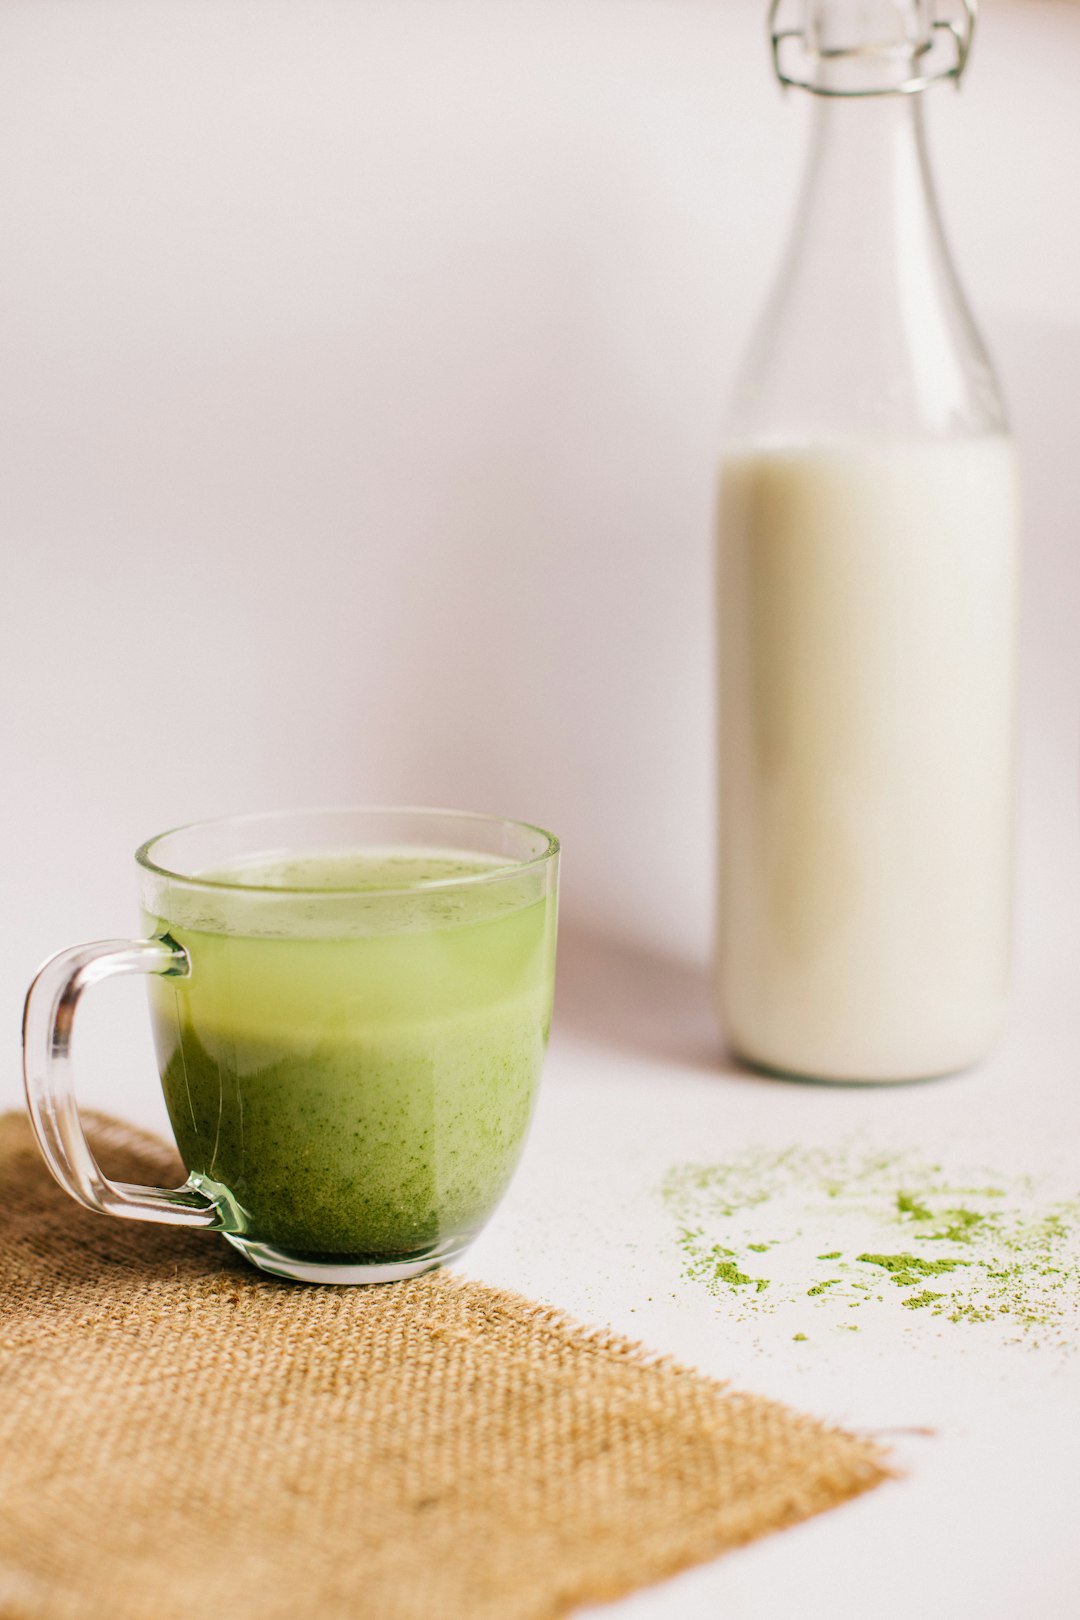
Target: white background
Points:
(362, 378)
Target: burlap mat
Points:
(181, 1436)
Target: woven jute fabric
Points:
(180, 1435)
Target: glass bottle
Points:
(868, 586)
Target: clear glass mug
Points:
(350, 1010)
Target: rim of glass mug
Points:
(550, 847)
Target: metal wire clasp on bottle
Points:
(938, 47)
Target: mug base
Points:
(348, 1270)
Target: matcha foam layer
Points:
(342, 892)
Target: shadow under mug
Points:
(350, 1010)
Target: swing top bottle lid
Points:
(870, 47)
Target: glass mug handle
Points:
(48, 1019)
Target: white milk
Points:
(868, 670)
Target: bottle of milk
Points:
(868, 584)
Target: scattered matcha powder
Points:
(997, 1251)
(907, 1205)
(908, 1268)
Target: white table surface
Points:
(982, 1523)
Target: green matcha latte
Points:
(351, 1061)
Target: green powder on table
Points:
(905, 1269)
(848, 1229)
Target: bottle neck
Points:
(867, 329)
(867, 196)
(865, 47)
